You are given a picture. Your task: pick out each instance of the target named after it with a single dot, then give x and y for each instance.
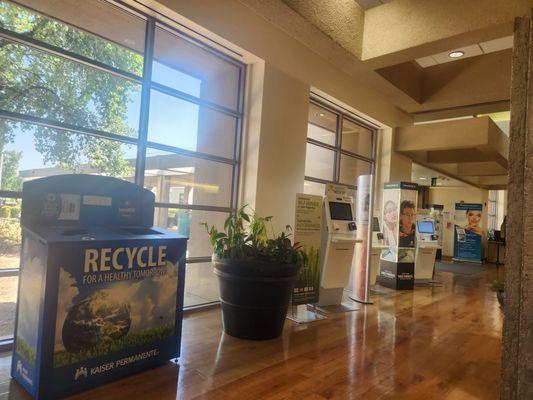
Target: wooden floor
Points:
(431, 343)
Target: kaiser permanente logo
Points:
(84, 372)
(80, 372)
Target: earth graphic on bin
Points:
(97, 319)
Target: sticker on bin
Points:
(70, 207)
(102, 201)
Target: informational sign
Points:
(399, 231)
(308, 234)
(468, 232)
(339, 190)
(364, 188)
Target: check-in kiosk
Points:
(337, 251)
(100, 289)
(427, 245)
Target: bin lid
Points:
(86, 201)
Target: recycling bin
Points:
(100, 289)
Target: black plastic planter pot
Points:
(254, 297)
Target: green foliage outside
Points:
(25, 351)
(5, 211)
(10, 161)
(14, 212)
(10, 232)
(64, 357)
(43, 85)
(245, 238)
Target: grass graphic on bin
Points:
(25, 350)
(98, 325)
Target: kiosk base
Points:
(338, 308)
(398, 276)
(360, 301)
(331, 301)
(302, 315)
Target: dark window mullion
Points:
(145, 101)
(65, 54)
(338, 142)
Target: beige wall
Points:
(275, 146)
(391, 166)
(448, 197)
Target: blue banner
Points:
(468, 232)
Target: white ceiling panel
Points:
(470, 51)
(428, 61)
(497, 44)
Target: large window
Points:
(340, 147)
(95, 87)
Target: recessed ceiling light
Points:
(321, 114)
(422, 178)
(456, 54)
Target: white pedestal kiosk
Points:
(427, 245)
(337, 252)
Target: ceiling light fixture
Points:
(423, 178)
(456, 54)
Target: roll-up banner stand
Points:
(397, 261)
(361, 276)
(308, 234)
(468, 232)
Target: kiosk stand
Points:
(427, 245)
(100, 288)
(378, 244)
(337, 252)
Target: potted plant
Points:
(498, 286)
(255, 275)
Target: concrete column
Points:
(391, 165)
(517, 352)
(274, 148)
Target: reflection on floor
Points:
(200, 284)
(438, 342)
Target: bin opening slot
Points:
(141, 231)
(74, 232)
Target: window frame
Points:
(153, 21)
(342, 115)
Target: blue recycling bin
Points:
(100, 289)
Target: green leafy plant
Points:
(245, 238)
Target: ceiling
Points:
(401, 49)
(473, 50)
(368, 4)
(423, 176)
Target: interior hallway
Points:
(431, 343)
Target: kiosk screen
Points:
(426, 227)
(340, 211)
(375, 224)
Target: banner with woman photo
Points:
(468, 232)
